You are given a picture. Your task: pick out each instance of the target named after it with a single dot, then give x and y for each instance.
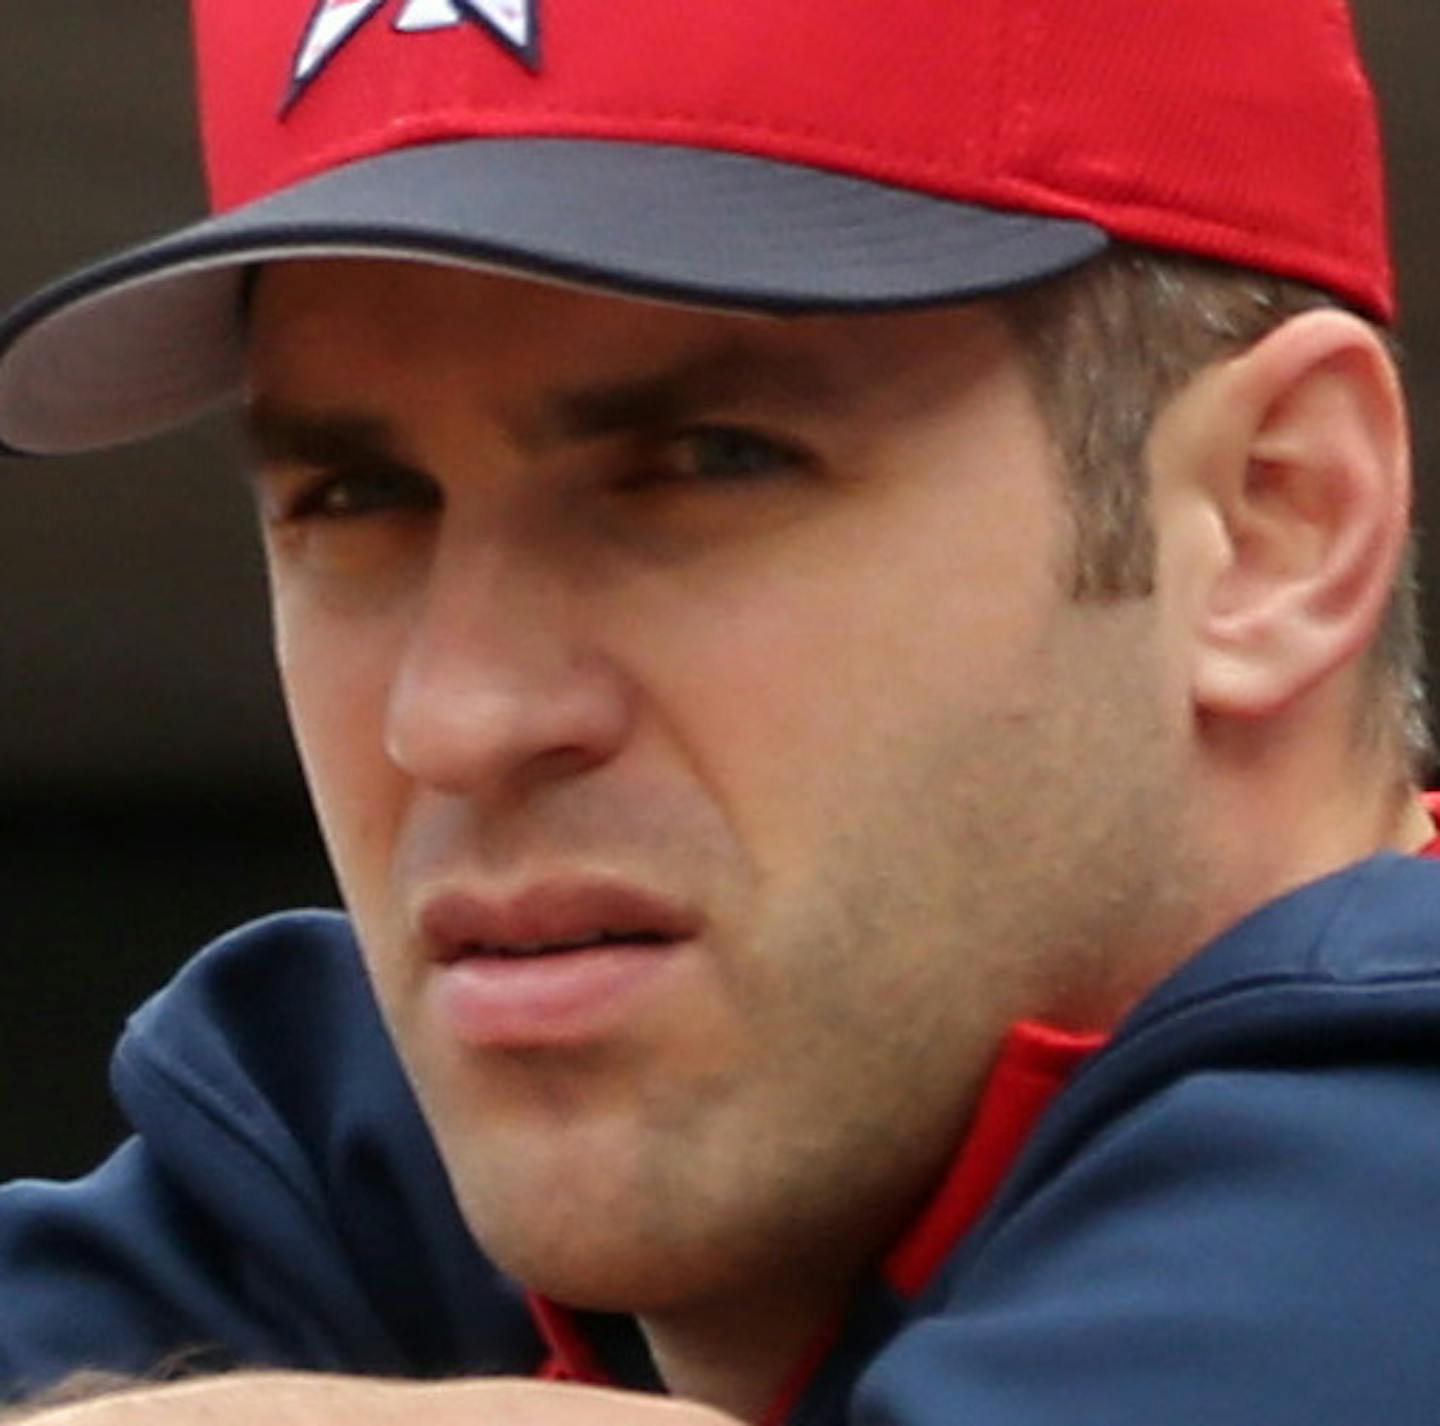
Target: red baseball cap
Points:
(766, 156)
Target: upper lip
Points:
(558, 913)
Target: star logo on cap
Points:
(514, 23)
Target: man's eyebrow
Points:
(278, 434)
(730, 372)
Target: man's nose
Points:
(501, 683)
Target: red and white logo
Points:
(515, 23)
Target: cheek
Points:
(336, 683)
(796, 687)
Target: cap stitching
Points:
(1019, 99)
(1338, 17)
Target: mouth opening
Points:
(563, 948)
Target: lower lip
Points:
(570, 998)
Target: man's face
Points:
(710, 757)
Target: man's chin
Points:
(601, 1274)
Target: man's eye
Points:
(352, 494)
(720, 454)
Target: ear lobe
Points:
(1311, 488)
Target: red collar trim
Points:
(570, 1357)
(1032, 1066)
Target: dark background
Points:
(148, 795)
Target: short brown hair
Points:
(1107, 345)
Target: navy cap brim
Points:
(150, 338)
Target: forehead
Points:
(336, 329)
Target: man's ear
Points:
(1298, 450)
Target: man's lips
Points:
(558, 964)
(548, 918)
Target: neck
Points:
(740, 1357)
(1298, 802)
